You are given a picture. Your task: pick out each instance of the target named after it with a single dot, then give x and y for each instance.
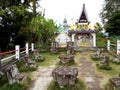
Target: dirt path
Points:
(87, 72)
(43, 79)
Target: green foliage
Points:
(23, 68)
(3, 80)
(95, 58)
(113, 24)
(105, 67)
(40, 30)
(101, 41)
(109, 7)
(79, 85)
(15, 86)
(72, 63)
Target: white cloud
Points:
(58, 9)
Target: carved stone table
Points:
(115, 83)
(65, 75)
(66, 58)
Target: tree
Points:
(108, 8)
(14, 16)
(40, 30)
(113, 24)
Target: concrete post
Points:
(73, 37)
(32, 47)
(94, 40)
(17, 52)
(118, 47)
(108, 45)
(27, 49)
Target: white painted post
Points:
(108, 45)
(17, 52)
(73, 37)
(118, 47)
(94, 40)
(32, 46)
(27, 49)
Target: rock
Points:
(66, 58)
(64, 75)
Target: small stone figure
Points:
(37, 56)
(28, 61)
(106, 61)
(99, 52)
(70, 47)
(54, 47)
(13, 74)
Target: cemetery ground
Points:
(91, 77)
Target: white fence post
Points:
(32, 46)
(17, 52)
(27, 48)
(118, 47)
(108, 45)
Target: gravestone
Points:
(98, 54)
(64, 75)
(70, 47)
(66, 58)
(54, 46)
(13, 74)
(106, 61)
(37, 56)
(28, 62)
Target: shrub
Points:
(105, 67)
(78, 86)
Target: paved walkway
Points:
(87, 72)
(44, 78)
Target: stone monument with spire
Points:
(83, 35)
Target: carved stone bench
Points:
(37, 56)
(28, 62)
(66, 58)
(114, 83)
(13, 74)
(106, 61)
(64, 75)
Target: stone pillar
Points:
(17, 52)
(73, 37)
(27, 49)
(94, 39)
(108, 45)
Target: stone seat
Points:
(115, 83)
(13, 74)
(64, 75)
(28, 62)
(106, 61)
(37, 56)
(66, 58)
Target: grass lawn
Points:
(49, 58)
(107, 74)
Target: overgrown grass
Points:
(108, 73)
(15, 86)
(49, 58)
(72, 63)
(80, 85)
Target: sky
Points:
(71, 9)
